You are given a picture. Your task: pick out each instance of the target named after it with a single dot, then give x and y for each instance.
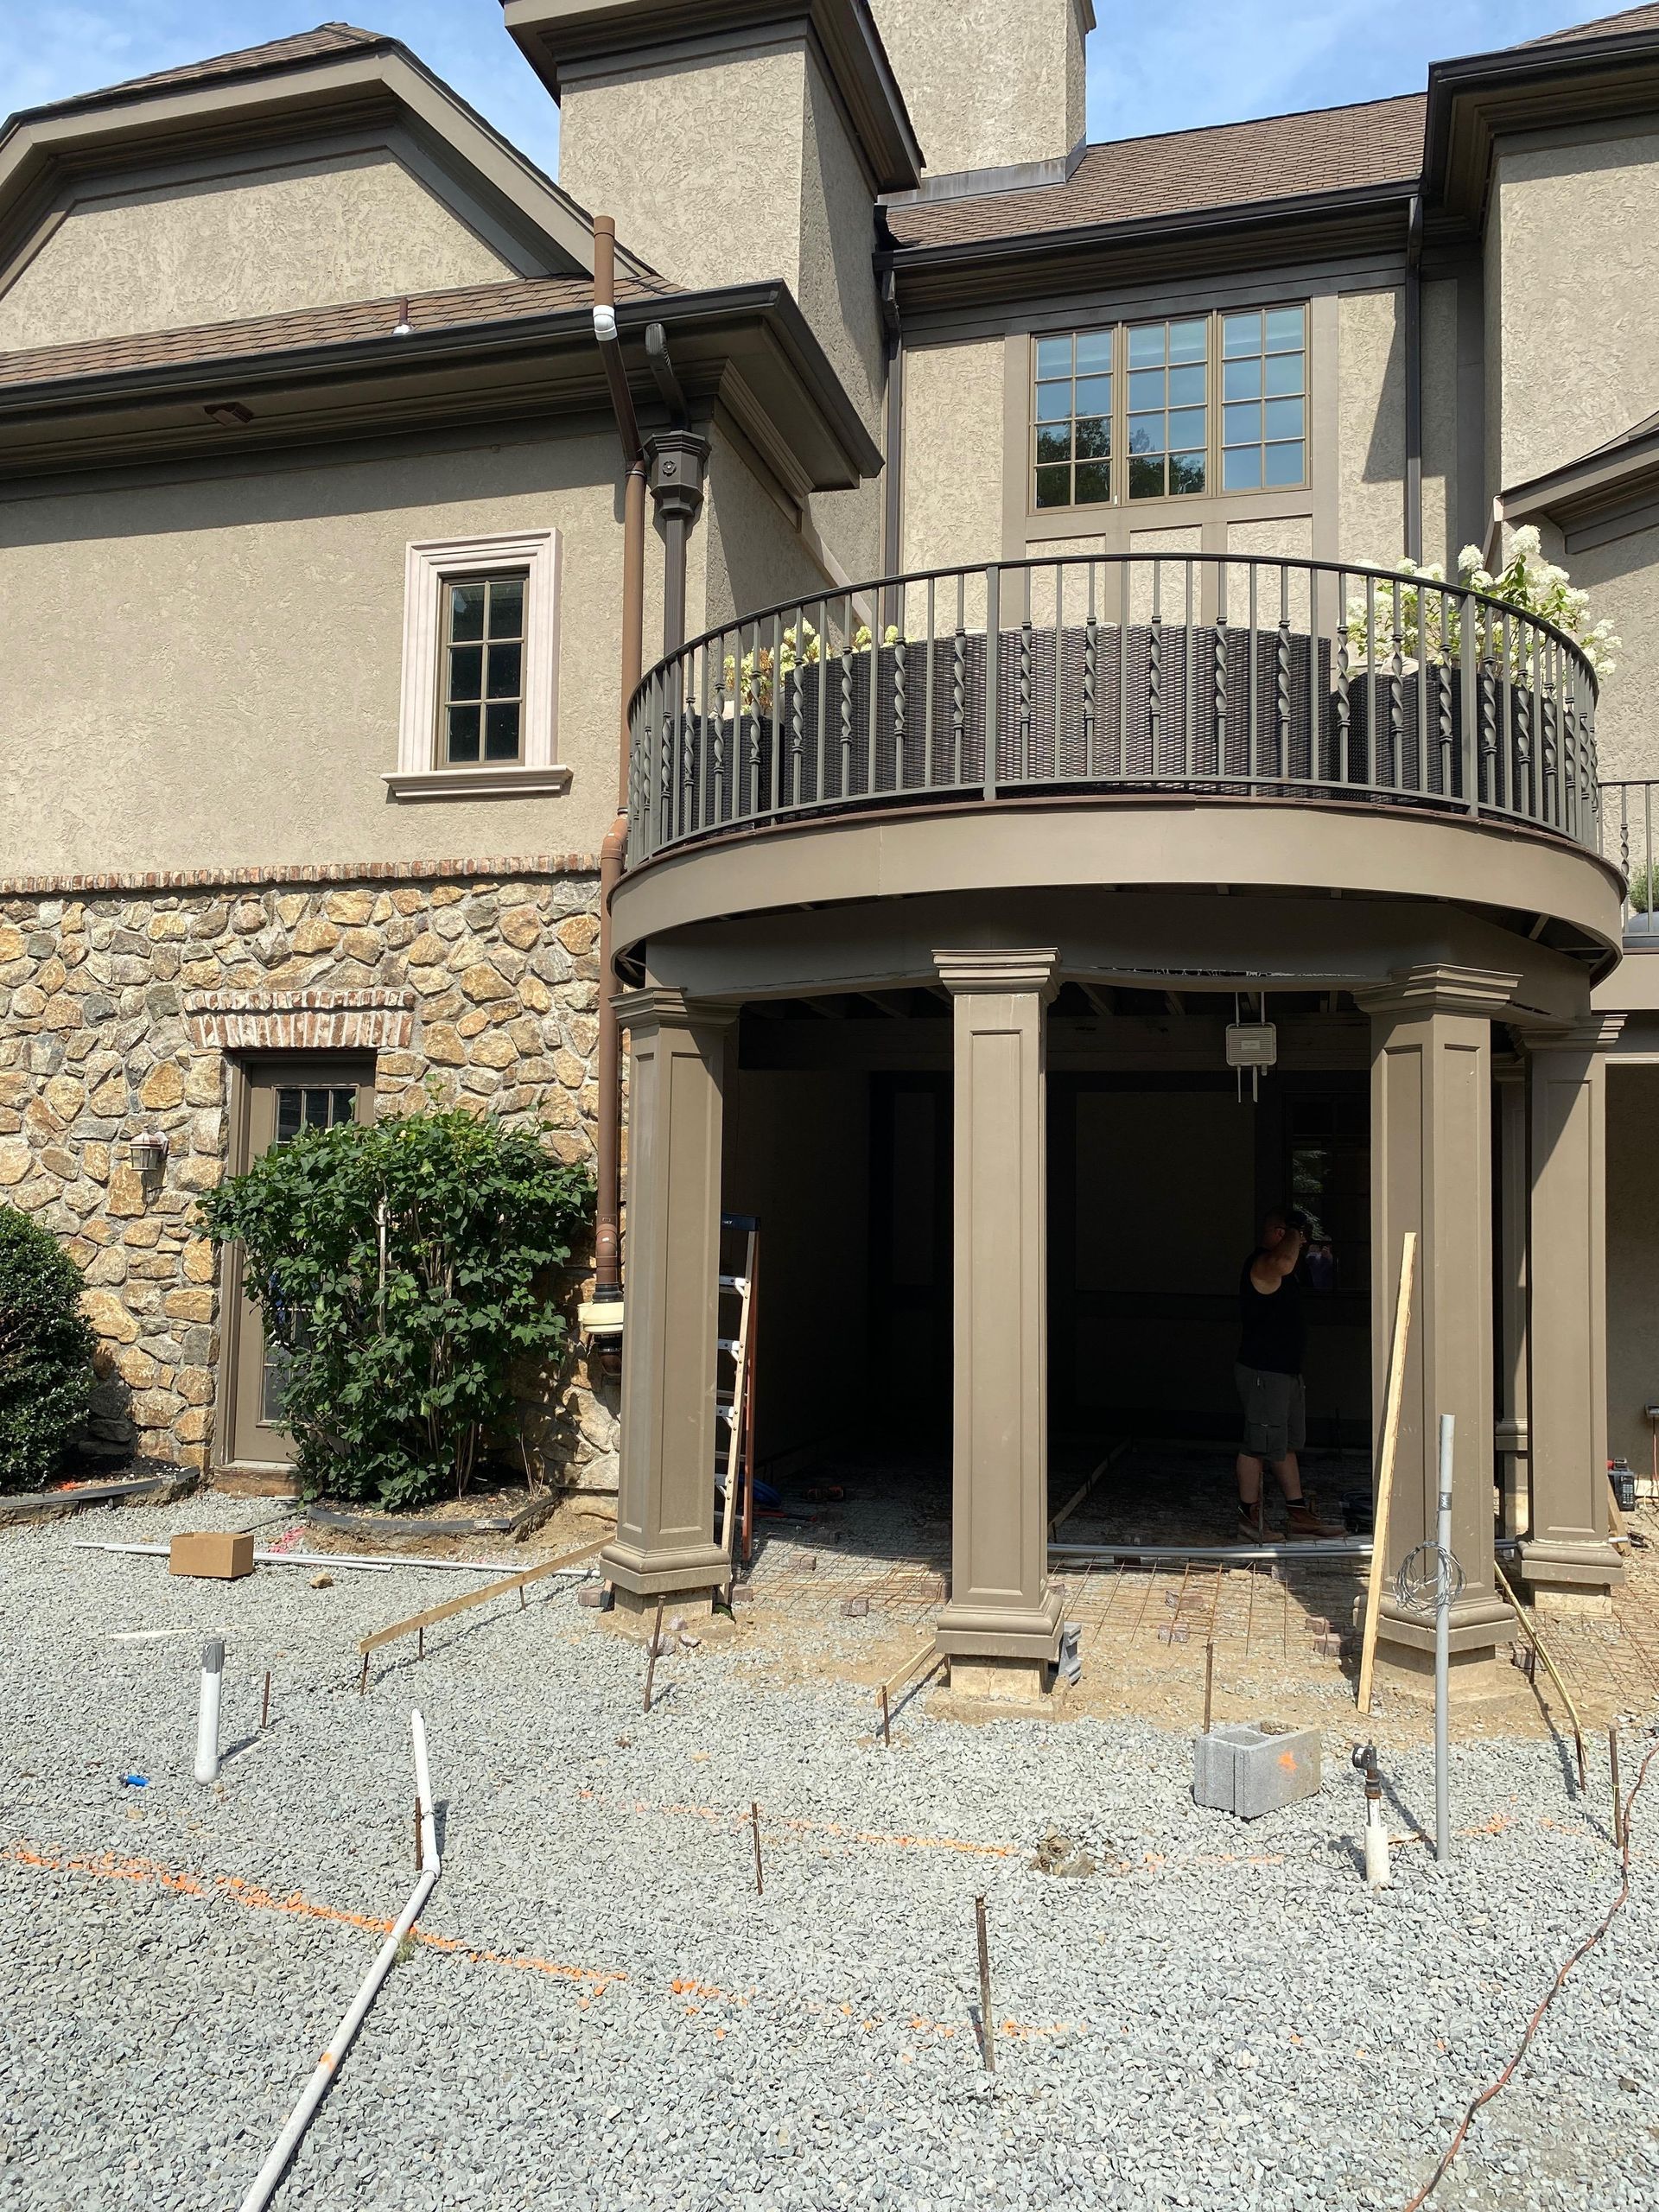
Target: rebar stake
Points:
(363, 1678)
(265, 1706)
(1618, 1805)
(887, 1719)
(754, 1827)
(987, 2033)
(651, 1664)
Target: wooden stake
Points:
(1385, 1468)
(1209, 1682)
(265, 1708)
(988, 2034)
(651, 1668)
(887, 1719)
(755, 1825)
(1618, 1802)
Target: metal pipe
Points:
(607, 1212)
(1443, 1649)
(1413, 365)
(300, 2119)
(213, 1676)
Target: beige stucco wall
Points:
(751, 553)
(1623, 580)
(1632, 1260)
(1440, 439)
(1371, 427)
(215, 664)
(1573, 243)
(953, 454)
(992, 84)
(304, 234)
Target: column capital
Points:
(660, 1006)
(1596, 1033)
(1436, 987)
(1001, 968)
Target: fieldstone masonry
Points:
(121, 1003)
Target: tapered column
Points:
(1566, 1557)
(1510, 1077)
(1431, 1172)
(1001, 1625)
(664, 1523)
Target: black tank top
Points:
(1271, 1326)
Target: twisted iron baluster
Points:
(1443, 724)
(796, 732)
(1091, 652)
(1344, 697)
(846, 718)
(958, 700)
(1221, 691)
(899, 705)
(1282, 690)
(1155, 688)
(1025, 696)
(1396, 699)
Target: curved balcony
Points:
(1119, 676)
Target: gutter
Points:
(608, 1213)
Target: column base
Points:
(1000, 1681)
(634, 1614)
(1030, 1633)
(1475, 1677)
(680, 1573)
(1559, 1571)
(1479, 1624)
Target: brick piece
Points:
(855, 1609)
(597, 1597)
(1254, 1767)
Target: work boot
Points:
(1304, 1519)
(1252, 1529)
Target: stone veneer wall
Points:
(120, 1002)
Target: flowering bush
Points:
(1426, 625)
(803, 652)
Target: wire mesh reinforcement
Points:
(1207, 675)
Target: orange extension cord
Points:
(1550, 1995)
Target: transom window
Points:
(481, 675)
(1199, 404)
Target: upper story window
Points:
(481, 691)
(1200, 403)
(481, 706)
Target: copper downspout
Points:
(607, 1243)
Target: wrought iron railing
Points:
(1627, 823)
(1120, 674)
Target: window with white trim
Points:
(480, 704)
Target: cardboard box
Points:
(221, 1555)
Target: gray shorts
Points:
(1275, 1413)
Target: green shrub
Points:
(398, 1375)
(46, 1352)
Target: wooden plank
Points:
(1385, 1471)
(435, 1613)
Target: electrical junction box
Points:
(225, 1555)
(1252, 1045)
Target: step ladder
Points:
(734, 1404)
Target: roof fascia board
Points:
(1010, 269)
(750, 341)
(560, 37)
(1596, 484)
(1474, 101)
(314, 96)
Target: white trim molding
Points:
(428, 564)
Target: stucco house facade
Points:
(902, 615)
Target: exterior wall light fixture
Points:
(147, 1153)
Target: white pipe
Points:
(1379, 1875)
(263, 1559)
(1443, 1652)
(282, 2149)
(213, 1676)
(1315, 1547)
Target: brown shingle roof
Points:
(304, 46)
(507, 300)
(1230, 164)
(1631, 19)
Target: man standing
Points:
(1272, 1331)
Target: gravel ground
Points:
(600, 2009)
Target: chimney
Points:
(991, 84)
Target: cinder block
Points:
(855, 1609)
(1254, 1767)
(225, 1554)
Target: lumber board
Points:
(435, 1613)
(1385, 1468)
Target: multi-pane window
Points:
(1264, 402)
(481, 676)
(1199, 404)
(1073, 427)
(1168, 379)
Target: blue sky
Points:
(1155, 64)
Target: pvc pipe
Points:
(1316, 1548)
(300, 2119)
(213, 1675)
(1443, 1652)
(1379, 1874)
(263, 1559)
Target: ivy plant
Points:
(405, 1267)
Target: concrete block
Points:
(855, 1609)
(1254, 1767)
